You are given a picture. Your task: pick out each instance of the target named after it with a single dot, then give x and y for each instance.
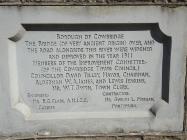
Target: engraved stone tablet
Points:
(108, 77)
(120, 70)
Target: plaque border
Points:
(156, 34)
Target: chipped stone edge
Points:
(133, 135)
(185, 103)
(104, 3)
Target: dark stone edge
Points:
(104, 3)
(141, 136)
(185, 102)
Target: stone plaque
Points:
(94, 70)
(105, 70)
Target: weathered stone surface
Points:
(185, 123)
(164, 138)
(129, 138)
(92, 2)
(98, 138)
(185, 105)
(122, 138)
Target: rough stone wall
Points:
(94, 2)
(119, 136)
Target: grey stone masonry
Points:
(94, 2)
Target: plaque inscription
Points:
(117, 69)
